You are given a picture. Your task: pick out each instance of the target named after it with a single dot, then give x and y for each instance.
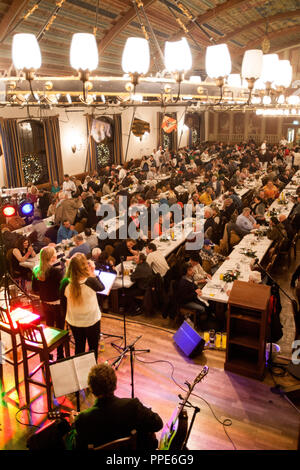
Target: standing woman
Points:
(78, 295)
(46, 280)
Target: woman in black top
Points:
(21, 253)
(46, 281)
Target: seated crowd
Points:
(209, 174)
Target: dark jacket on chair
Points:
(187, 291)
(142, 275)
(113, 418)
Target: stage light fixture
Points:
(8, 210)
(26, 209)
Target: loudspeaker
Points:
(188, 340)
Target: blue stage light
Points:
(26, 209)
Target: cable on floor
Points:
(225, 423)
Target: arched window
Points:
(33, 152)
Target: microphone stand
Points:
(116, 346)
(132, 351)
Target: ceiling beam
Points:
(209, 15)
(12, 14)
(120, 25)
(256, 23)
(272, 35)
(253, 24)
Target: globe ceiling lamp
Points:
(26, 54)
(270, 66)
(136, 58)
(252, 68)
(84, 57)
(178, 58)
(283, 79)
(218, 63)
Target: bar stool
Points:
(41, 340)
(8, 325)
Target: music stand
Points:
(70, 375)
(107, 278)
(124, 350)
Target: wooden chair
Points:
(9, 326)
(123, 444)
(109, 249)
(41, 340)
(271, 263)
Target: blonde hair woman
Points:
(79, 301)
(46, 281)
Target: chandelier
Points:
(264, 80)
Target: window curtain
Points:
(118, 144)
(91, 154)
(12, 152)
(53, 148)
(159, 129)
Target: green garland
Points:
(103, 155)
(231, 276)
(248, 252)
(32, 169)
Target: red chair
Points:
(8, 325)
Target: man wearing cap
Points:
(207, 254)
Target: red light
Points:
(9, 211)
(23, 316)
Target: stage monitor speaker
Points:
(188, 340)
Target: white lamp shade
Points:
(267, 100)
(269, 68)
(217, 61)
(293, 99)
(252, 64)
(26, 52)
(136, 56)
(195, 79)
(259, 85)
(284, 74)
(178, 56)
(84, 52)
(234, 80)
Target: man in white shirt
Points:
(245, 221)
(68, 186)
(283, 142)
(122, 174)
(156, 260)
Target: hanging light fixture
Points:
(252, 67)
(269, 69)
(84, 56)
(218, 63)
(234, 80)
(178, 58)
(136, 58)
(284, 74)
(26, 54)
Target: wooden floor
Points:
(260, 419)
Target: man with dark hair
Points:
(156, 260)
(112, 417)
(81, 246)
